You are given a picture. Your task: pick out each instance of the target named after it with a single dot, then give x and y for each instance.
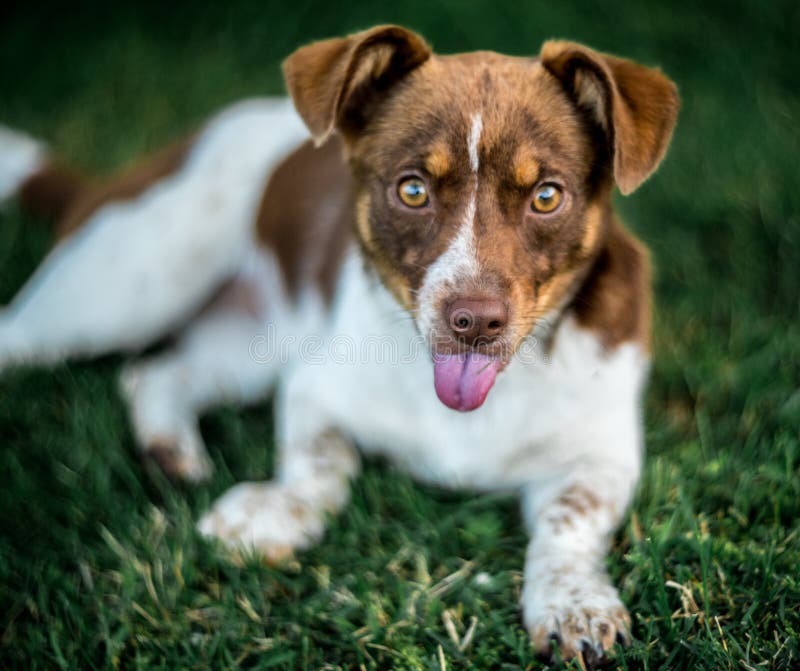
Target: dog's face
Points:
(482, 182)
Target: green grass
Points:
(99, 563)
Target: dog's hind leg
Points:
(217, 359)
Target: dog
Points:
(418, 255)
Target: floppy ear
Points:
(635, 105)
(335, 82)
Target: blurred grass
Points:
(99, 566)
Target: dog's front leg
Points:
(568, 599)
(277, 517)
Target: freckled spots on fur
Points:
(576, 503)
(561, 521)
(299, 512)
(580, 500)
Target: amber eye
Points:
(412, 192)
(546, 198)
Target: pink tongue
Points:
(462, 381)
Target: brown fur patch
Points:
(580, 500)
(336, 83)
(51, 190)
(127, 185)
(305, 216)
(614, 301)
(637, 106)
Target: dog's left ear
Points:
(635, 105)
(334, 83)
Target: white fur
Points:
(473, 143)
(20, 157)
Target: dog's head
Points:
(482, 182)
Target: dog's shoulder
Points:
(614, 299)
(305, 216)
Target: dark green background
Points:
(99, 566)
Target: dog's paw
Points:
(265, 518)
(582, 620)
(166, 436)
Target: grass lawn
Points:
(99, 563)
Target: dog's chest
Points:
(376, 379)
(393, 411)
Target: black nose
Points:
(473, 320)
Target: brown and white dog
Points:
(447, 231)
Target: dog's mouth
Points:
(471, 340)
(463, 380)
(466, 366)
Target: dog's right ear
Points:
(334, 83)
(635, 105)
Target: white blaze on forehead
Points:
(463, 246)
(462, 255)
(459, 262)
(474, 141)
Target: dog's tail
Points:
(27, 170)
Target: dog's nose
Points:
(473, 320)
